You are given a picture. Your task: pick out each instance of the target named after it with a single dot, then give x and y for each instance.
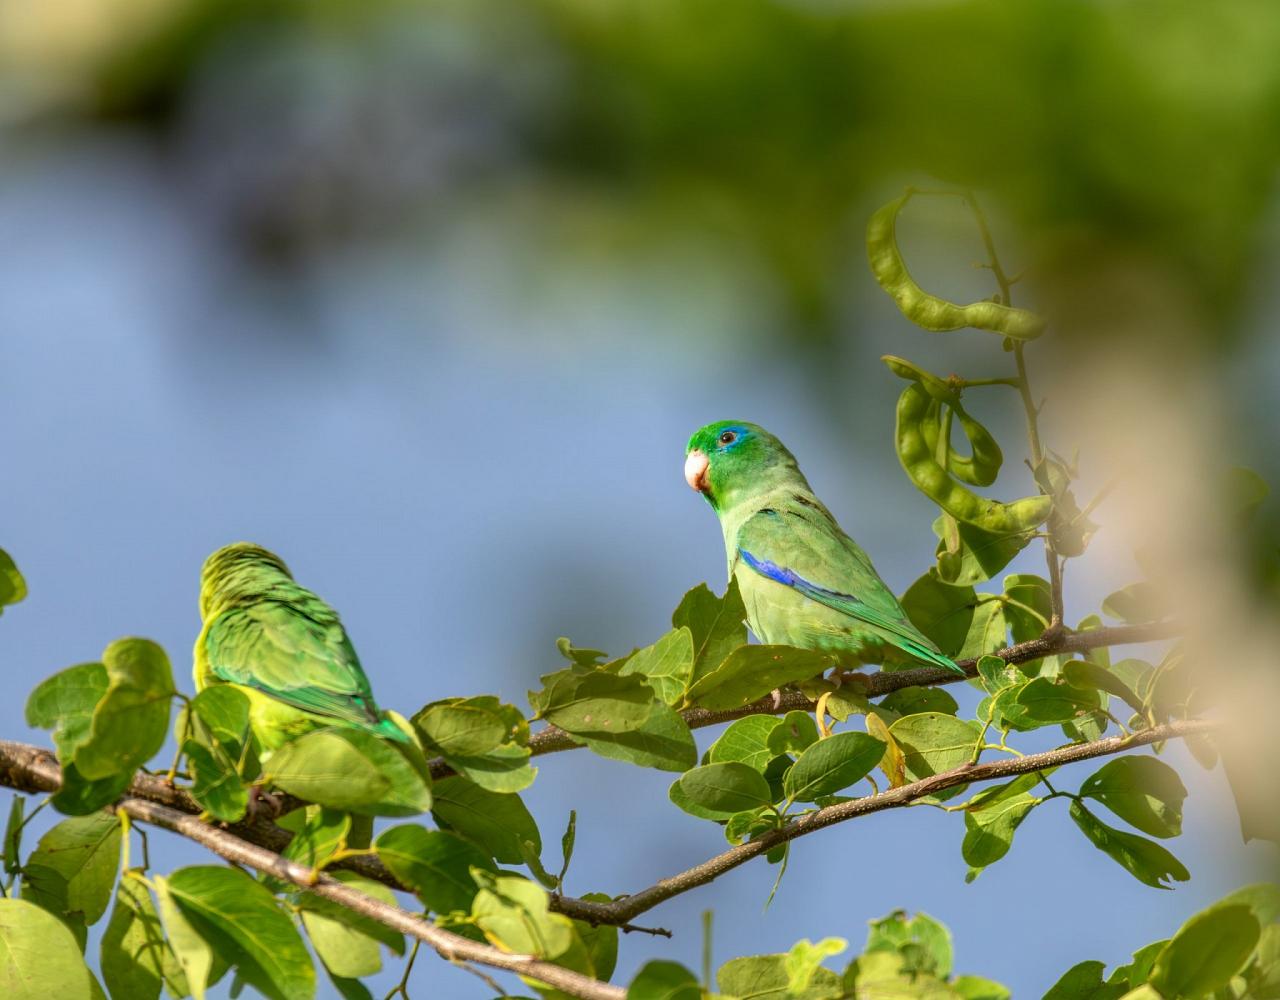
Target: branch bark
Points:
(32, 769)
(553, 740)
(628, 907)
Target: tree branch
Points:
(553, 740)
(628, 907)
(32, 769)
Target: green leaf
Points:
(745, 825)
(13, 827)
(989, 831)
(1087, 674)
(1042, 702)
(135, 958)
(347, 942)
(352, 771)
(73, 868)
(1146, 860)
(751, 672)
(941, 611)
(1206, 952)
(513, 915)
(746, 741)
(996, 675)
(678, 798)
(1032, 592)
(435, 864)
(1138, 602)
(932, 742)
(915, 700)
(988, 630)
(65, 704)
(217, 785)
(243, 922)
(662, 741)
(1263, 974)
(797, 731)
(131, 720)
(978, 988)
(1262, 898)
(79, 797)
(716, 625)
(666, 665)
(504, 769)
(831, 765)
(728, 788)
(450, 728)
(1136, 971)
(967, 554)
(201, 966)
(39, 956)
(659, 980)
(1142, 790)
(593, 703)
(805, 958)
(1083, 981)
(13, 588)
(498, 822)
(579, 657)
(924, 943)
(766, 977)
(323, 832)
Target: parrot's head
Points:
(237, 572)
(731, 460)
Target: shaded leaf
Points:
(347, 942)
(595, 702)
(659, 980)
(450, 728)
(765, 977)
(513, 915)
(65, 704)
(503, 769)
(966, 554)
(662, 741)
(1138, 602)
(1206, 952)
(797, 731)
(751, 672)
(498, 822)
(941, 611)
(915, 700)
(131, 720)
(1146, 860)
(831, 765)
(1083, 981)
(1142, 790)
(244, 923)
(73, 868)
(435, 863)
(730, 787)
(352, 771)
(135, 958)
(13, 588)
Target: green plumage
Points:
(283, 647)
(804, 582)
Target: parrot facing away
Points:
(283, 648)
(803, 581)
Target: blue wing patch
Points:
(790, 578)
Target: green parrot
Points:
(803, 581)
(283, 647)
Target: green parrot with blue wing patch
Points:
(283, 647)
(803, 581)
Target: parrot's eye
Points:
(728, 437)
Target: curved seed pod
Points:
(929, 311)
(979, 468)
(931, 479)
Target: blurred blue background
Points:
(428, 299)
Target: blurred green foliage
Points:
(1139, 136)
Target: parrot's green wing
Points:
(797, 545)
(298, 655)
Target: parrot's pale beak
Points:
(695, 471)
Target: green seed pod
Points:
(929, 311)
(917, 457)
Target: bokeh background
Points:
(427, 296)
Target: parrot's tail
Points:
(933, 658)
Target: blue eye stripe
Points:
(739, 434)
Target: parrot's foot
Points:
(262, 804)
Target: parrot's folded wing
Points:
(281, 651)
(904, 635)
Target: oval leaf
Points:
(831, 765)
